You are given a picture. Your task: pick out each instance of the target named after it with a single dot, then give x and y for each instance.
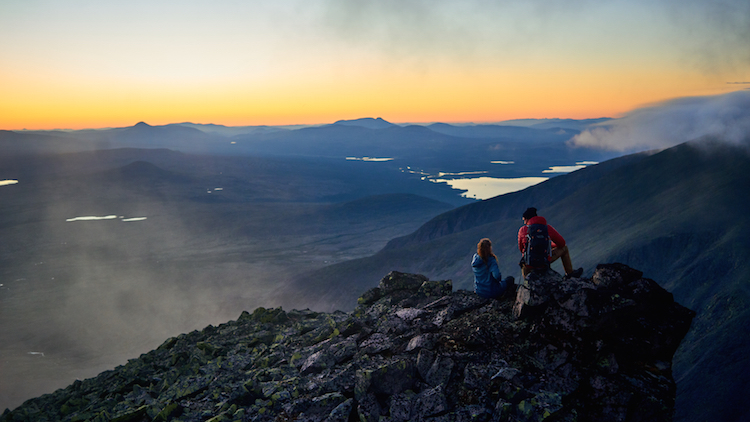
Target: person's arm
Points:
(494, 268)
(555, 237)
(522, 238)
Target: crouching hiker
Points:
(542, 245)
(487, 282)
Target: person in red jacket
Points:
(559, 248)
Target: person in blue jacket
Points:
(487, 278)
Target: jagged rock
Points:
(391, 378)
(376, 343)
(370, 296)
(440, 371)
(317, 362)
(401, 406)
(400, 281)
(345, 350)
(425, 341)
(413, 350)
(341, 412)
(409, 314)
(368, 408)
(430, 402)
(435, 288)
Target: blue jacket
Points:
(486, 277)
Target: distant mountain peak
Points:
(142, 124)
(367, 122)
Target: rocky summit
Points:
(597, 349)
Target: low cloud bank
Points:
(725, 117)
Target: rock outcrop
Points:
(596, 349)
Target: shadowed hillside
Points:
(677, 214)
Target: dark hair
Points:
(484, 249)
(530, 212)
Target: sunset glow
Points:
(81, 64)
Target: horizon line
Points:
(301, 125)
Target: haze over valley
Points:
(116, 239)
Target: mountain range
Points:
(432, 148)
(231, 218)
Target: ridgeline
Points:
(597, 349)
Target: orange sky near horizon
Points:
(93, 65)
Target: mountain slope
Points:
(413, 350)
(677, 214)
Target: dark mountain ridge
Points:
(413, 350)
(19, 143)
(499, 132)
(230, 131)
(574, 124)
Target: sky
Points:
(78, 64)
(724, 117)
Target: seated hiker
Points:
(542, 245)
(487, 276)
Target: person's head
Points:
(484, 249)
(529, 214)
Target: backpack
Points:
(538, 246)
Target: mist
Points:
(125, 248)
(724, 117)
(83, 295)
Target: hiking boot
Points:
(575, 274)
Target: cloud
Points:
(694, 33)
(725, 117)
(712, 35)
(426, 30)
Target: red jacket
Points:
(554, 236)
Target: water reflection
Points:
(105, 217)
(368, 159)
(488, 187)
(567, 169)
(92, 218)
(465, 173)
(562, 169)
